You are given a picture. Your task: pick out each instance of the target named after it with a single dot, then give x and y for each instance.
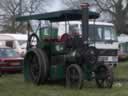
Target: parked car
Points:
(10, 60)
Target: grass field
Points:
(122, 70)
(14, 85)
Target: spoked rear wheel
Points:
(74, 76)
(37, 61)
(104, 78)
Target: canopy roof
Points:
(65, 15)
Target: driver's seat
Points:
(64, 37)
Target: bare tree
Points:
(35, 6)
(12, 8)
(119, 11)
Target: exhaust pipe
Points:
(85, 20)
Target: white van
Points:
(101, 35)
(14, 41)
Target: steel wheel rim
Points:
(34, 68)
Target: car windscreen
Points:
(7, 52)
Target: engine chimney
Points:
(85, 20)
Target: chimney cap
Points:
(84, 5)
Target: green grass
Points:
(121, 71)
(14, 85)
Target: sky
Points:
(55, 6)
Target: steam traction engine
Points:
(68, 58)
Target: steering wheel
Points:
(33, 41)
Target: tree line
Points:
(9, 9)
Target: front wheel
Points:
(104, 78)
(74, 76)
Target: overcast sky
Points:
(55, 6)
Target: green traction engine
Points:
(69, 58)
